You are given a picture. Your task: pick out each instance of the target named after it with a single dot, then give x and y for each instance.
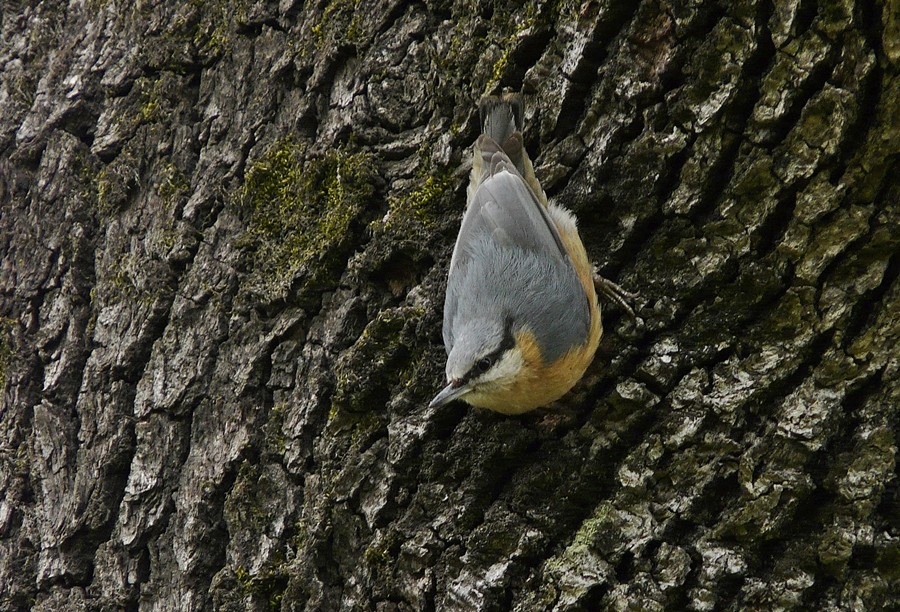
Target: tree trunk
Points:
(225, 233)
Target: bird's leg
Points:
(614, 293)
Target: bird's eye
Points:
(484, 364)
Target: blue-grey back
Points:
(509, 263)
(528, 288)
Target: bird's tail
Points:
(501, 122)
(501, 116)
(501, 126)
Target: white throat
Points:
(505, 370)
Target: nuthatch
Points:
(521, 316)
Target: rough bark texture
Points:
(225, 230)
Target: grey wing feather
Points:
(505, 212)
(511, 287)
(504, 203)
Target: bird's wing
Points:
(505, 209)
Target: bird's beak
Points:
(451, 392)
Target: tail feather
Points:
(501, 116)
(501, 121)
(502, 125)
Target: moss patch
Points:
(341, 23)
(267, 585)
(480, 49)
(115, 183)
(300, 214)
(217, 18)
(419, 210)
(6, 347)
(529, 19)
(368, 371)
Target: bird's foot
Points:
(615, 293)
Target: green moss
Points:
(529, 19)
(217, 19)
(499, 66)
(299, 214)
(888, 563)
(357, 429)
(22, 88)
(127, 280)
(103, 188)
(114, 183)
(274, 429)
(368, 371)
(416, 213)
(498, 538)
(268, 584)
(581, 557)
(594, 527)
(149, 110)
(600, 524)
(341, 23)
(835, 550)
(173, 189)
(156, 99)
(245, 507)
(379, 555)
(174, 184)
(247, 514)
(479, 51)
(6, 347)
(793, 317)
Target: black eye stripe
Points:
(486, 362)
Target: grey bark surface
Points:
(225, 230)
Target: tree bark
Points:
(225, 233)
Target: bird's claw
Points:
(615, 293)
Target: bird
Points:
(522, 319)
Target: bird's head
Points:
(485, 362)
